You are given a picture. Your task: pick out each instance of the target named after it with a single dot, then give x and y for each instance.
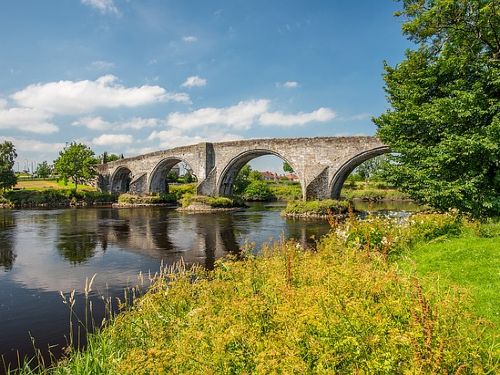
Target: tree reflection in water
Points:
(7, 254)
(77, 241)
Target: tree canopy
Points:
(7, 157)
(444, 123)
(43, 170)
(76, 163)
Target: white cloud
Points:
(75, 97)
(288, 84)
(358, 117)
(176, 138)
(102, 65)
(31, 145)
(103, 6)
(239, 116)
(139, 123)
(112, 139)
(190, 39)
(93, 123)
(194, 81)
(301, 118)
(98, 123)
(3, 103)
(27, 120)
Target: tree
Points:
(43, 170)
(7, 156)
(287, 167)
(241, 181)
(371, 168)
(258, 191)
(76, 163)
(444, 120)
(254, 176)
(106, 158)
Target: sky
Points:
(135, 76)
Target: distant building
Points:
(269, 176)
(291, 177)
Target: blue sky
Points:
(132, 76)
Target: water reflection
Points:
(7, 254)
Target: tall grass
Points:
(345, 308)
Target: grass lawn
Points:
(469, 261)
(49, 184)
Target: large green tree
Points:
(76, 163)
(7, 157)
(444, 123)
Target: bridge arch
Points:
(338, 179)
(225, 182)
(120, 180)
(157, 182)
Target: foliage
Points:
(181, 189)
(371, 168)
(7, 156)
(254, 176)
(43, 170)
(214, 202)
(56, 197)
(241, 180)
(286, 191)
(76, 163)
(324, 207)
(340, 309)
(107, 158)
(258, 191)
(444, 124)
(373, 194)
(287, 168)
(147, 199)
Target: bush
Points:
(57, 197)
(180, 190)
(258, 191)
(324, 207)
(147, 199)
(214, 202)
(286, 191)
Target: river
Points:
(46, 252)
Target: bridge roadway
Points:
(321, 163)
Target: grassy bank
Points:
(349, 307)
(54, 198)
(471, 261)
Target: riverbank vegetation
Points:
(362, 302)
(322, 208)
(28, 198)
(191, 202)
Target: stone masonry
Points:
(322, 164)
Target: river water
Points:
(46, 252)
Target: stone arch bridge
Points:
(322, 164)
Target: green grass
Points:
(470, 261)
(37, 184)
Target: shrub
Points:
(214, 202)
(324, 207)
(147, 199)
(180, 190)
(258, 191)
